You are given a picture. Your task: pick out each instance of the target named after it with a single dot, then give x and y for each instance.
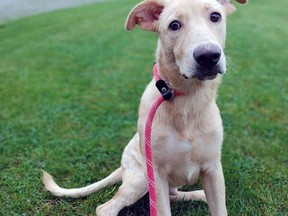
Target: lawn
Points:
(70, 87)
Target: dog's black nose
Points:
(207, 55)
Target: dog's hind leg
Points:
(197, 195)
(133, 188)
(134, 184)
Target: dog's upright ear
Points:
(229, 7)
(145, 14)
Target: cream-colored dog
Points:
(187, 131)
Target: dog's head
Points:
(192, 33)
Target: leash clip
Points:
(166, 92)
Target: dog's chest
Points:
(177, 159)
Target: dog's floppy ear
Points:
(242, 1)
(145, 14)
(229, 7)
(228, 1)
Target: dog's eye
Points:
(175, 25)
(215, 17)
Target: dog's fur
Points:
(187, 131)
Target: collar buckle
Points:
(166, 92)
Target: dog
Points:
(187, 130)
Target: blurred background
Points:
(12, 9)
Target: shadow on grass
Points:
(141, 207)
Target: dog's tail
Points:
(51, 186)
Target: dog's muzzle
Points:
(207, 57)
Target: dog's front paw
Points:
(201, 195)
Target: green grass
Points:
(70, 87)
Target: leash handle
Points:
(149, 159)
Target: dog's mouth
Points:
(203, 74)
(201, 78)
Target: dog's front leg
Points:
(163, 201)
(214, 188)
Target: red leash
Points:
(149, 161)
(166, 94)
